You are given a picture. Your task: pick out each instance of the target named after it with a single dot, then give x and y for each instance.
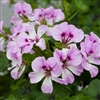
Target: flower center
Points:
(47, 70)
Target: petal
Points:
(94, 37)
(83, 51)
(58, 80)
(55, 33)
(94, 60)
(35, 77)
(49, 21)
(60, 15)
(18, 8)
(78, 35)
(77, 70)
(67, 76)
(38, 63)
(41, 30)
(75, 56)
(27, 8)
(85, 64)
(16, 20)
(27, 48)
(21, 39)
(41, 44)
(16, 72)
(47, 86)
(58, 55)
(93, 71)
(56, 69)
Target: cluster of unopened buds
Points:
(61, 50)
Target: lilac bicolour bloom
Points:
(14, 53)
(22, 8)
(37, 36)
(67, 33)
(69, 60)
(25, 42)
(92, 37)
(91, 55)
(1, 27)
(53, 15)
(47, 69)
(16, 30)
(17, 71)
(50, 15)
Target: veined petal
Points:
(35, 77)
(47, 86)
(67, 76)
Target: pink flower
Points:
(92, 37)
(50, 15)
(17, 71)
(47, 69)
(53, 15)
(67, 33)
(22, 8)
(16, 20)
(17, 30)
(25, 42)
(69, 60)
(91, 55)
(14, 53)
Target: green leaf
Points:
(81, 5)
(3, 62)
(93, 89)
(58, 98)
(67, 8)
(81, 97)
(11, 97)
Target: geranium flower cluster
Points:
(30, 30)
